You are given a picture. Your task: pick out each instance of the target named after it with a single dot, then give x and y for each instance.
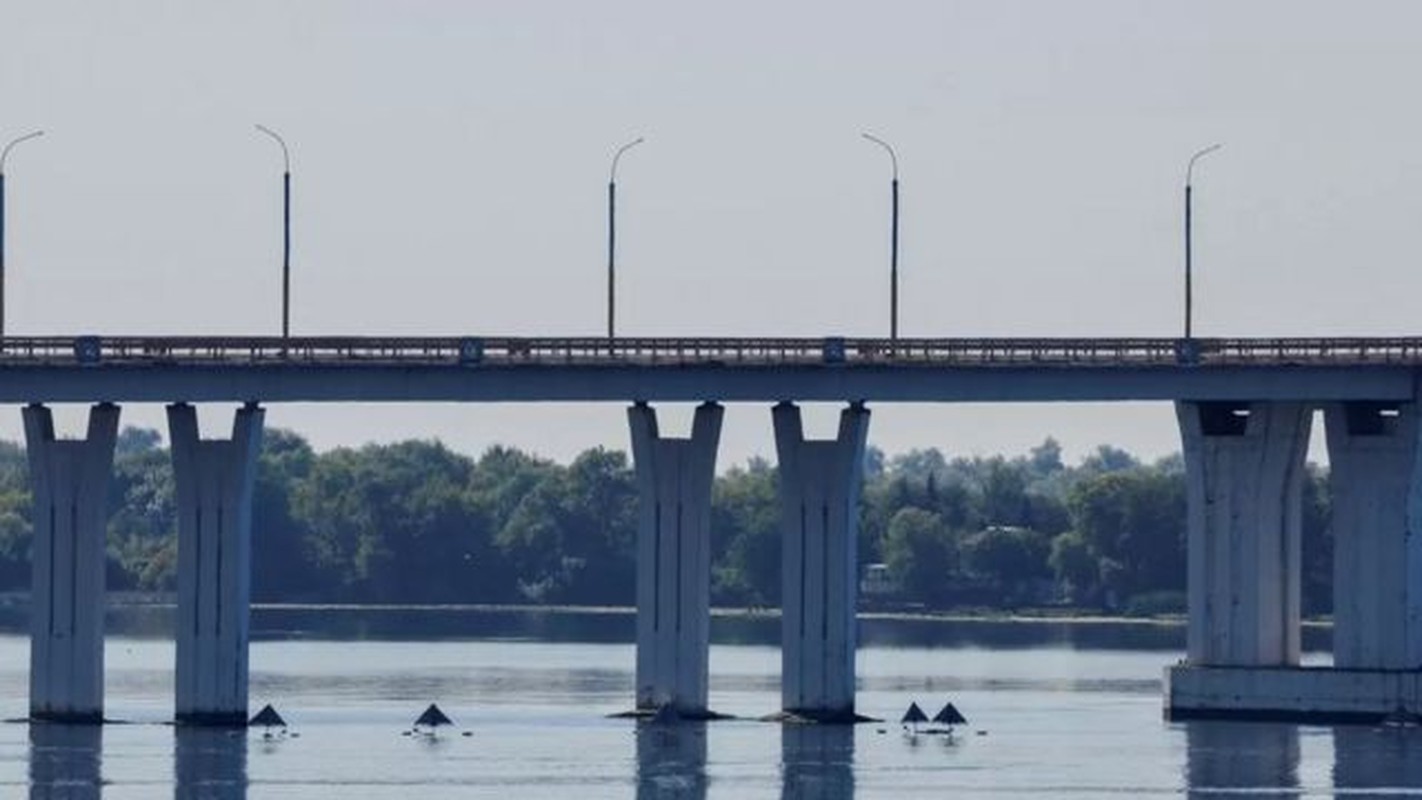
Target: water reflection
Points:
(817, 762)
(1386, 760)
(1225, 757)
(64, 761)
(210, 763)
(671, 760)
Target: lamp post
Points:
(893, 239)
(286, 232)
(4, 154)
(1189, 273)
(612, 235)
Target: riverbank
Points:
(19, 601)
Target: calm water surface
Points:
(1062, 710)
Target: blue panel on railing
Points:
(834, 350)
(87, 349)
(471, 351)
(1187, 352)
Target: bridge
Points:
(501, 369)
(1245, 408)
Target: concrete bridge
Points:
(1245, 408)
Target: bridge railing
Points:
(768, 352)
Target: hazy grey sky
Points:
(450, 161)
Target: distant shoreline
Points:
(953, 616)
(126, 600)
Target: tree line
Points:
(414, 522)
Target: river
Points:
(1054, 710)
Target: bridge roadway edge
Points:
(278, 383)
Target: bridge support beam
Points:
(674, 478)
(819, 513)
(70, 482)
(214, 480)
(1377, 535)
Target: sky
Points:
(450, 162)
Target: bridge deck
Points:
(508, 369)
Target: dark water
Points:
(1063, 710)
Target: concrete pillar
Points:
(674, 478)
(70, 482)
(1244, 466)
(214, 480)
(1377, 535)
(819, 515)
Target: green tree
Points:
(600, 528)
(920, 552)
(1076, 567)
(283, 557)
(1004, 498)
(395, 523)
(1134, 521)
(1046, 458)
(143, 526)
(745, 525)
(1010, 558)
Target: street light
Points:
(893, 239)
(1189, 273)
(4, 154)
(612, 233)
(286, 232)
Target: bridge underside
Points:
(276, 383)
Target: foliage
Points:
(1006, 555)
(745, 530)
(921, 552)
(415, 522)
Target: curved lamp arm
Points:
(893, 157)
(285, 154)
(612, 174)
(4, 154)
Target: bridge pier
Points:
(674, 478)
(1244, 477)
(214, 480)
(1244, 465)
(819, 514)
(70, 482)
(1377, 535)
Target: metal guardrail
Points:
(469, 351)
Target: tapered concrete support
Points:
(214, 481)
(70, 481)
(1244, 468)
(819, 514)
(1377, 535)
(674, 479)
